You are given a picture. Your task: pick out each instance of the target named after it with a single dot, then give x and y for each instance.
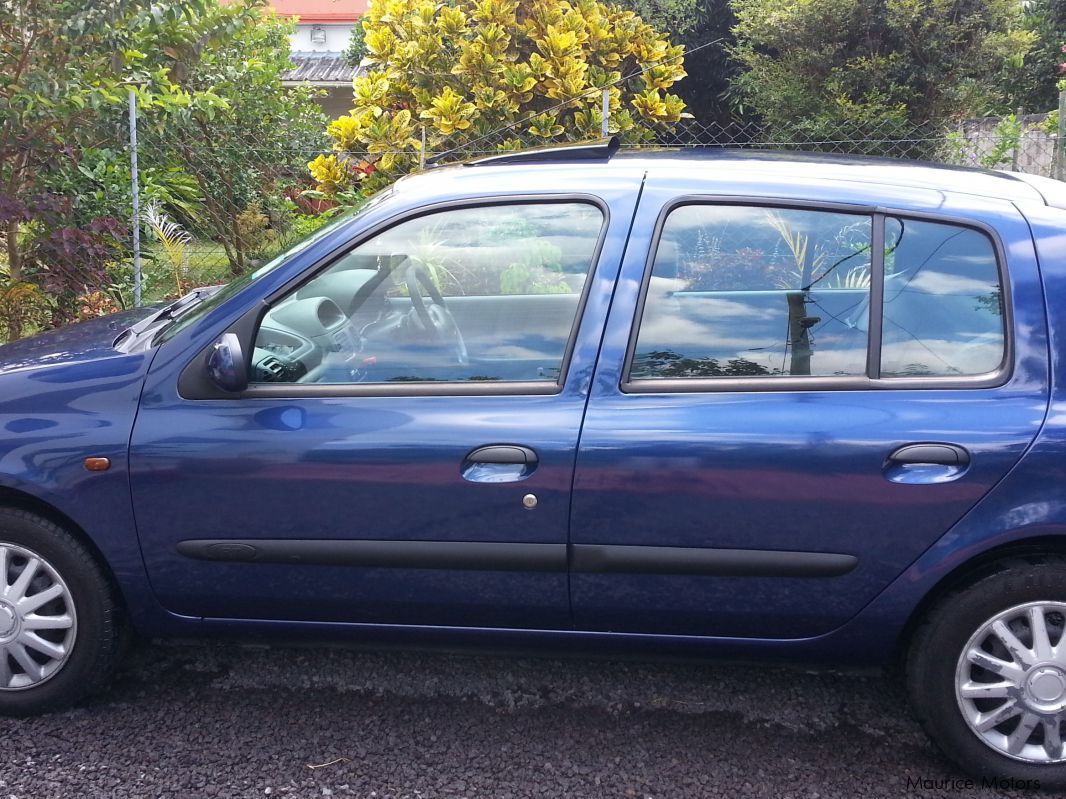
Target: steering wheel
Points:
(434, 315)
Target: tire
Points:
(72, 640)
(998, 722)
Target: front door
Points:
(405, 451)
(812, 396)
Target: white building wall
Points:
(337, 37)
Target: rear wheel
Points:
(59, 631)
(986, 673)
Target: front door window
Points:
(484, 294)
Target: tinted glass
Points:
(756, 292)
(943, 301)
(294, 249)
(473, 294)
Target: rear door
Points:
(794, 400)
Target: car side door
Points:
(404, 453)
(796, 398)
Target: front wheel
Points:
(58, 618)
(986, 672)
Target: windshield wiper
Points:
(171, 311)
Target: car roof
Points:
(851, 168)
(705, 166)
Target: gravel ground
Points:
(243, 722)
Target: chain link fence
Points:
(245, 219)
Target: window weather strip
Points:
(877, 296)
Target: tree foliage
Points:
(1033, 87)
(202, 72)
(468, 68)
(679, 17)
(256, 134)
(821, 66)
(704, 28)
(59, 68)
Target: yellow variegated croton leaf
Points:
(329, 172)
(545, 126)
(655, 105)
(449, 112)
(371, 90)
(507, 73)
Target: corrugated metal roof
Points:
(321, 68)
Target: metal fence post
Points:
(606, 114)
(1018, 141)
(422, 152)
(1060, 142)
(135, 193)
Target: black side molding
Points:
(610, 559)
(382, 554)
(493, 556)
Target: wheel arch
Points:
(20, 500)
(980, 565)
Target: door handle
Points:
(503, 453)
(938, 454)
(499, 463)
(926, 463)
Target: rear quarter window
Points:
(943, 302)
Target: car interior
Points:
(373, 319)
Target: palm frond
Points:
(173, 238)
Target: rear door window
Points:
(741, 291)
(765, 293)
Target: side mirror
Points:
(226, 366)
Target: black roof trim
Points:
(595, 150)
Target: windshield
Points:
(234, 286)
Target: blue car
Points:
(731, 405)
